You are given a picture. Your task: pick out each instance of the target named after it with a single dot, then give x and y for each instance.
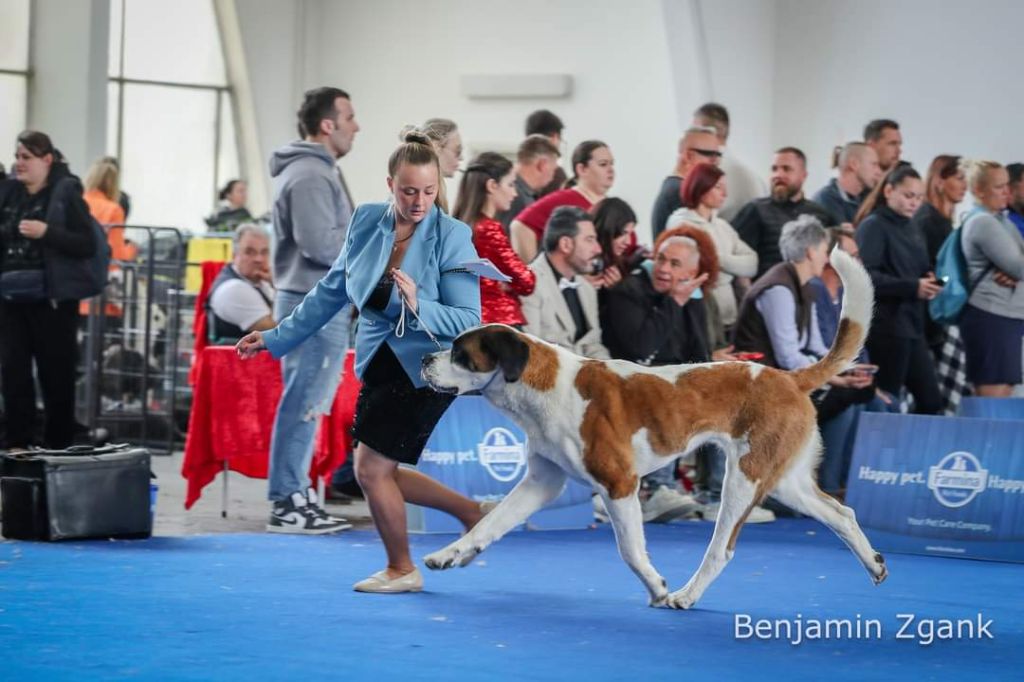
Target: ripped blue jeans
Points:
(311, 374)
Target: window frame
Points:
(26, 73)
(221, 91)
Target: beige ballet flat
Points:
(380, 583)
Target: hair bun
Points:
(413, 134)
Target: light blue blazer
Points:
(448, 300)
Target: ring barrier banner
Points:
(942, 486)
(482, 454)
(992, 408)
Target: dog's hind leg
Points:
(798, 489)
(628, 523)
(738, 497)
(542, 483)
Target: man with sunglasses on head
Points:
(698, 144)
(760, 222)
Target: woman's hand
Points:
(1004, 280)
(858, 380)
(726, 354)
(611, 276)
(928, 287)
(607, 278)
(406, 287)
(32, 229)
(249, 345)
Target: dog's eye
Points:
(462, 358)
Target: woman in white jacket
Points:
(702, 193)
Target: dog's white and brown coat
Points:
(608, 423)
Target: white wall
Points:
(67, 95)
(402, 65)
(947, 71)
(274, 37)
(799, 72)
(740, 63)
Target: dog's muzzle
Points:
(426, 365)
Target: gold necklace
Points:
(403, 239)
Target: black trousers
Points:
(907, 362)
(44, 333)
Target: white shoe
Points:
(709, 512)
(380, 583)
(666, 504)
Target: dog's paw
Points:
(659, 601)
(881, 571)
(660, 596)
(680, 599)
(449, 557)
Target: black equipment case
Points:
(81, 492)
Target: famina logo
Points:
(957, 479)
(501, 454)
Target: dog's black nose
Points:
(425, 362)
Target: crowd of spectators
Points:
(739, 269)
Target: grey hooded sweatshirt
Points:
(311, 215)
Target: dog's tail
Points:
(854, 322)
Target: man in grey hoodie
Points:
(311, 210)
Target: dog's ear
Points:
(509, 352)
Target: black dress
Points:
(393, 417)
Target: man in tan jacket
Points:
(563, 306)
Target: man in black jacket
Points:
(656, 316)
(760, 222)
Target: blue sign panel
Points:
(992, 408)
(482, 454)
(942, 486)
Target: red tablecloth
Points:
(233, 407)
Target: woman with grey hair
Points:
(779, 319)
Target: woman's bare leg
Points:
(378, 477)
(993, 390)
(418, 488)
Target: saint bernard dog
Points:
(608, 423)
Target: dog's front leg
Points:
(628, 522)
(542, 483)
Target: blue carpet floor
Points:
(552, 606)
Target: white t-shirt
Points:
(744, 186)
(237, 301)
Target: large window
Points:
(14, 74)
(170, 114)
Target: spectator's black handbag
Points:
(19, 286)
(81, 492)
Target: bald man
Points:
(698, 144)
(859, 172)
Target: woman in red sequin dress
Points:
(487, 188)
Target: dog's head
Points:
(477, 358)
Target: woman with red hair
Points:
(703, 193)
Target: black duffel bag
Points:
(81, 492)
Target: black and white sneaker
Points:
(312, 501)
(295, 514)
